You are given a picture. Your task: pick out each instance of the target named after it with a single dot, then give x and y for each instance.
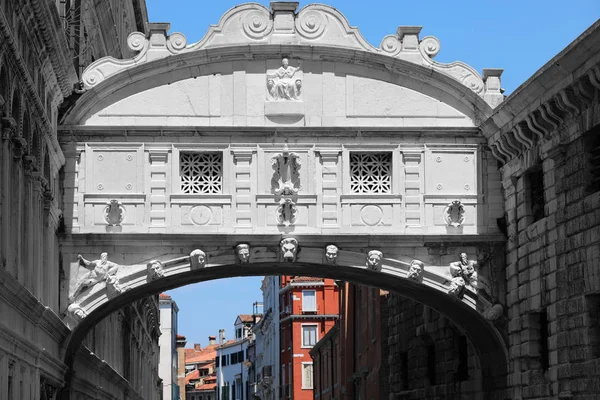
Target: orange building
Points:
(351, 360)
(309, 308)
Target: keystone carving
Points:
(99, 271)
(289, 249)
(331, 254)
(243, 253)
(463, 274)
(197, 259)
(454, 214)
(284, 83)
(154, 271)
(415, 271)
(374, 260)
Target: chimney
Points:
(221, 336)
(212, 340)
(197, 347)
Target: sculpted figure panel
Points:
(285, 83)
(243, 253)
(154, 271)
(331, 253)
(99, 271)
(113, 286)
(415, 271)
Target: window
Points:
(309, 300)
(591, 143)
(535, 193)
(309, 335)
(201, 172)
(371, 173)
(307, 376)
(238, 333)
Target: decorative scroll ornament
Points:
(113, 213)
(454, 214)
(286, 178)
(289, 249)
(99, 271)
(154, 271)
(257, 24)
(311, 24)
(197, 259)
(243, 253)
(286, 212)
(285, 83)
(76, 312)
(331, 253)
(415, 271)
(463, 274)
(391, 45)
(374, 260)
(430, 45)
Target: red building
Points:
(309, 308)
(351, 360)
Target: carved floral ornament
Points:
(315, 24)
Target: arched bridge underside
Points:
(469, 311)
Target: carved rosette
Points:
(176, 42)
(391, 45)
(454, 214)
(429, 46)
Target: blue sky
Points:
(517, 35)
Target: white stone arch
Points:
(465, 312)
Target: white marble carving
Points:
(113, 214)
(99, 271)
(331, 253)
(374, 260)
(286, 212)
(284, 83)
(454, 214)
(243, 252)
(113, 286)
(286, 178)
(289, 249)
(76, 312)
(154, 271)
(197, 259)
(415, 270)
(464, 274)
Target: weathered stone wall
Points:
(428, 357)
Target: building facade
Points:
(169, 360)
(232, 367)
(309, 307)
(200, 371)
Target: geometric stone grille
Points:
(201, 172)
(371, 173)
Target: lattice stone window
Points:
(371, 172)
(201, 172)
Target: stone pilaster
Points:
(158, 190)
(331, 189)
(72, 199)
(413, 181)
(7, 126)
(243, 204)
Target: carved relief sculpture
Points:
(76, 312)
(374, 260)
(113, 213)
(243, 253)
(331, 253)
(285, 83)
(154, 271)
(197, 259)
(286, 212)
(99, 271)
(113, 287)
(454, 214)
(289, 249)
(286, 178)
(415, 271)
(494, 312)
(463, 275)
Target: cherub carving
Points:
(463, 274)
(154, 271)
(374, 260)
(197, 259)
(99, 270)
(243, 253)
(289, 249)
(331, 253)
(415, 270)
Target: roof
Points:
(180, 337)
(164, 296)
(246, 317)
(206, 354)
(298, 279)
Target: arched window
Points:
(4, 84)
